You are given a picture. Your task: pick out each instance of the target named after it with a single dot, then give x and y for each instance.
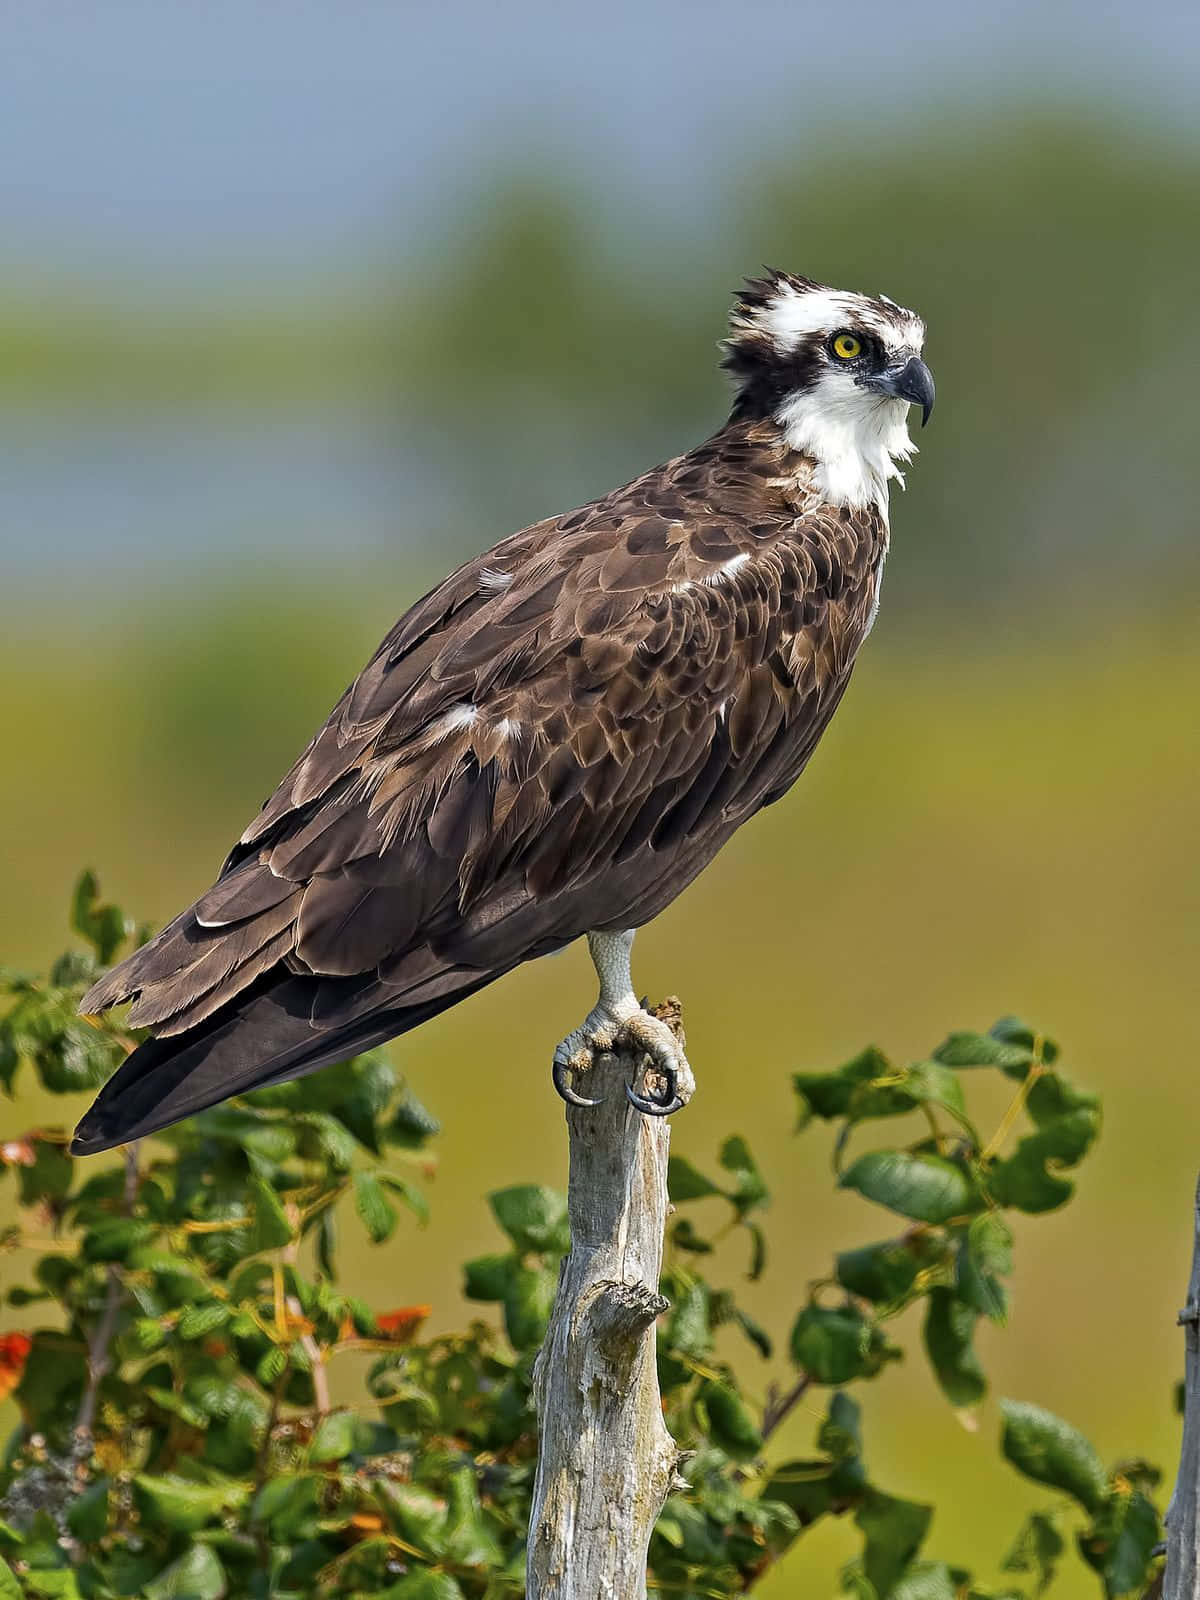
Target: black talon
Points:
(561, 1074)
(659, 1105)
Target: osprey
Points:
(553, 742)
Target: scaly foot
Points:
(666, 1079)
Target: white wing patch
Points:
(460, 716)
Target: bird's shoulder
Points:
(606, 626)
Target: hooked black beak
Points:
(913, 382)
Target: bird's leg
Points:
(618, 1019)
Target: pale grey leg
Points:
(618, 1018)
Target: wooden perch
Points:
(1181, 1579)
(606, 1461)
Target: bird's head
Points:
(837, 371)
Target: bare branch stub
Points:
(606, 1461)
(1181, 1578)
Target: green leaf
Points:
(758, 1250)
(72, 969)
(197, 1575)
(1053, 1096)
(115, 1238)
(10, 1060)
(186, 1506)
(1038, 1549)
(326, 1243)
(87, 1515)
(103, 926)
(469, 1542)
(333, 1439)
(328, 1137)
(534, 1218)
(254, 1131)
(757, 1335)
(19, 1295)
(982, 1050)
(934, 1580)
(731, 1426)
(376, 1211)
(148, 1334)
(985, 1256)
(685, 1237)
(948, 1332)
(417, 1514)
(686, 1182)
(840, 1434)
(272, 1364)
(289, 1503)
(1050, 1451)
(1023, 1180)
(1011, 1030)
(923, 1186)
(52, 1585)
(129, 1571)
(198, 1321)
(409, 1194)
(528, 1301)
(76, 1056)
(828, 1094)
(53, 1378)
(220, 1397)
(412, 1125)
(882, 1273)
(1120, 1542)
(835, 1344)
(487, 1277)
(894, 1531)
(271, 1229)
(749, 1188)
(423, 1584)
(932, 1083)
(10, 1589)
(688, 1328)
(49, 1177)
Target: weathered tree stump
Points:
(606, 1461)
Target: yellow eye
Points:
(847, 346)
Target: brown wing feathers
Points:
(557, 738)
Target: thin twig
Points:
(779, 1407)
(99, 1358)
(1036, 1067)
(320, 1378)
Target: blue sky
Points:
(174, 151)
(166, 141)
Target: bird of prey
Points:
(553, 742)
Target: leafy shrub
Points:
(177, 1436)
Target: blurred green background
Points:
(295, 316)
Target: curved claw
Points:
(561, 1073)
(662, 1105)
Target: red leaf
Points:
(401, 1325)
(14, 1352)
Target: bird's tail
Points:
(267, 1035)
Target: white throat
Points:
(854, 438)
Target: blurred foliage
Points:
(535, 356)
(177, 1437)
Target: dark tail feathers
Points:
(264, 1037)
